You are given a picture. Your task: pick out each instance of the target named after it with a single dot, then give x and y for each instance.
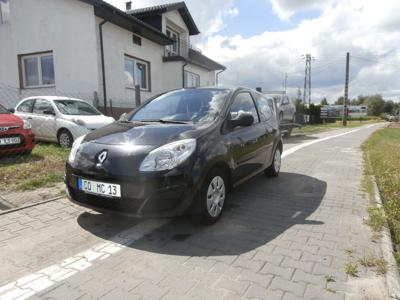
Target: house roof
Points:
(118, 17)
(160, 9)
(197, 58)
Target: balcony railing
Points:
(179, 49)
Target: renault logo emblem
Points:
(102, 157)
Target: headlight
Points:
(27, 125)
(168, 156)
(74, 149)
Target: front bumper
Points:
(27, 142)
(157, 195)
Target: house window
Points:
(4, 11)
(37, 70)
(192, 79)
(137, 72)
(174, 48)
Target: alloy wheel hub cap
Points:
(215, 196)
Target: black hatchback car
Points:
(179, 152)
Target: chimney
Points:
(128, 5)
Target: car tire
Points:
(65, 139)
(209, 201)
(274, 169)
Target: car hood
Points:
(10, 119)
(92, 122)
(151, 134)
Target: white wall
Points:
(118, 42)
(68, 29)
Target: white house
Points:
(92, 50)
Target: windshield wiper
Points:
(165, 121)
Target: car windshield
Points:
(195, 105)
(74, 107)
(3, 110)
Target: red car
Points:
(15, 134)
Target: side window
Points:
(265, 107)
(26, 106)
(243, 103)
(41, 106)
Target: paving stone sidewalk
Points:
(284, 238)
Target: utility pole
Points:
(346, 89)
(307, 79)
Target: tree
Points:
(340, 101)
(389, 107)
(375, 105)
(324, 101)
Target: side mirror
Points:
(49, 112)
(243, 120)
(11, 110)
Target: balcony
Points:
(178, 51)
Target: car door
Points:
(246, 144)
(24, 109)
(268, 119)
(44, 120)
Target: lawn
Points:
(43, 168)
(382, 152)
(310, 129)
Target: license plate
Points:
(99, 188)
(10, 141)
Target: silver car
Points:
(60, 119)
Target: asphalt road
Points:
(285, 238)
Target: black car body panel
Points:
(241, 152)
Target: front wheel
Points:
(65, 139)
(274, 169)
(210, 200)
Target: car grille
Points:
(7, 128)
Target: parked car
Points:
(15, 134)
(179, 152)
(286, 113)
(60, 119)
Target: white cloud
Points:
(286, 8)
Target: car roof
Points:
(52, 98)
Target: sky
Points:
(261, 40)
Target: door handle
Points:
(29, 118)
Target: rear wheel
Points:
(274, 169)
(65, 139)
(210, 200)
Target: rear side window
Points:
(243, 103)
(26, 106)
(41, 106)
(265, 107)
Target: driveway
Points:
(284, 238)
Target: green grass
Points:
(382, 151)
(310, 129)
(351, 269)
(43, 168)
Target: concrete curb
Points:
(8, 211)
(392, 274)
